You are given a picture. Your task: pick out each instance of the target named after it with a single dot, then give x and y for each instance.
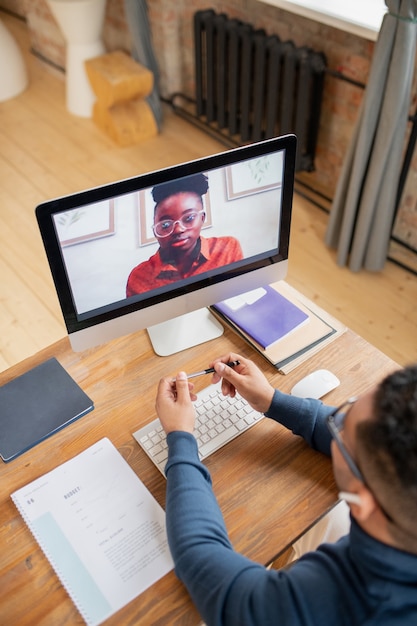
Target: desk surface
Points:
(271, 487)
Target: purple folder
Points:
(268, 319)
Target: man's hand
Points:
(246, 378)
(174, 406)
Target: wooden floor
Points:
(46, 152)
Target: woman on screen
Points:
(178, 219)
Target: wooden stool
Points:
(120, 85)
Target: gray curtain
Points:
(140, 31)
(363, 208)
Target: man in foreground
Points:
(367, 577)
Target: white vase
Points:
(81, 24)
(13, 73)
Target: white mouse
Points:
(315, 385)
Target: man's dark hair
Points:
(387, 446)
(196, 183)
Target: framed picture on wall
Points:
(86, 223)
(254, 176)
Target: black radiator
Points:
(253, 86)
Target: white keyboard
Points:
(219, 419)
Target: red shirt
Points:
(210, 253)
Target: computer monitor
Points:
(118, 268)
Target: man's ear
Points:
(204, 217)
(364, 505)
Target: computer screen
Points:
(146, 251)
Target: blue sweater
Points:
(357, 580)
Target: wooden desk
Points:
(270, 485)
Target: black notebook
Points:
(37, 405)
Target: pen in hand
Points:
(211, 370)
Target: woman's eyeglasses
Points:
(165, 228)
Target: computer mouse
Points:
(315, 385)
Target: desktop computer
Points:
(117, 252)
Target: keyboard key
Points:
(161, 457)
(156, 449)
(204, 438)
(221, 439)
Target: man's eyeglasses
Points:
(335, 423)
(166, 227)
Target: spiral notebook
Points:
(100, 528)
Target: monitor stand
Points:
(183, 332)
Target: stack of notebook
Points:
(280, 323)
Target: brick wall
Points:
(172, 33)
